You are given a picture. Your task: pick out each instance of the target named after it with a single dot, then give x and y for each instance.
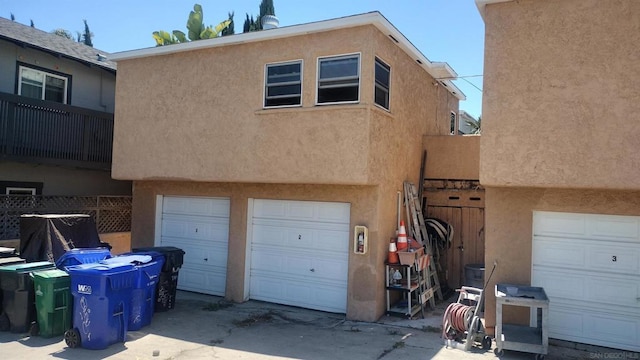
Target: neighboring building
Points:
(463, 126)
(559, 162)
(258, 153)
(56, 115)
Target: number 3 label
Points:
(614, 258)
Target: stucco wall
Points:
(205, 122)
(452, 157)
(560, 101)
(509, 222)
(91, 87)
(219, 136)
(59, 180)
(363, 280)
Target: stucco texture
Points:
(452, 157)
(192, 124)
(509, 223)
(560, 100)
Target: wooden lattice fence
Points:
(111, 213)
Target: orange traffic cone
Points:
(393, 258)
(402, 237)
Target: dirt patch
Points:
(254, 319)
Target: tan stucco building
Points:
(558, 160)
(258, 153)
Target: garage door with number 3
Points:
(589, 266)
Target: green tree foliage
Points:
(475, 125)
(229, 30)
(63, 32)
(32, 24)
(86, 37)
(266, 8)
(13, 17)
(196, 30)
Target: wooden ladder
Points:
(417, 227)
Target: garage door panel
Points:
(559, 224)
(197, 228)
(567, 286)
(589, 266)
(202, 281)
(196, 206)
(551, 252)
(620, 259)
(299, 253)
(304, 239)
(296, 293)
(302, 211)
(614, 227)
(200, 227)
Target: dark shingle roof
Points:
(27, 36)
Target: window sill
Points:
(337, 107)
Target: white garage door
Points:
(589, 265)
(299, 253)
(200, 227)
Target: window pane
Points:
(54, 90)
(283, 90)
(290, 90)
(294, 100)
(31, 91)
(337, 68)
(338, 94)
(32, 76)
(283, 73)
(382, 97)
(382, 74)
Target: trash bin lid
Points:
(100, 268)
(11, 260)
(7, 251)
(50, 274)
(82, 256)
(27, 267)
(128, 259)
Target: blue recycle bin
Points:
(101, 304)
(143, 298)
(79, 256)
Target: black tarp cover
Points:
(47, 237)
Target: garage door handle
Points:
(206, 259)
(312, 270)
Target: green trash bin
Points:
(53, 302)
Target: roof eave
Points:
(437, 70)
(56, 53)
(481, 4)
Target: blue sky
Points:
(443, 30)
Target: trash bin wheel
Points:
(486, 343)
(540, 357)
(4, 322)
(34, 330)
(72, 338)
(499, 352)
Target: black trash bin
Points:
(18, 298)
(4, 320)
(168, 279)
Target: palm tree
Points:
(196, 30)
(475, 125)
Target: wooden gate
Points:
(464, 211)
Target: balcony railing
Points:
(47, 132)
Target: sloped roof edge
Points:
(27, 36)
(439, 70)
(482, 3)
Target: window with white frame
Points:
(339, 79)
(283, 84)
(38, 84)
(383, 76)
(20, 191)
(453, 127)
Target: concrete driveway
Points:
(207, 327)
